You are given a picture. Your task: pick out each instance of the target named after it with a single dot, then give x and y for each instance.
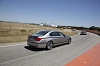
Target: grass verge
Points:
(12, 39)
(16, 32)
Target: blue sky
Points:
(60, 12)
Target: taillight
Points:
(38, 39)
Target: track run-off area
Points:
(83, 51)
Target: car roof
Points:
(50, 30)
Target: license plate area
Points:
(31, 39)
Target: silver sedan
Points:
(47, 39)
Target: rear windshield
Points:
(41, 33)
(83, 30)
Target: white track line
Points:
(13, 45)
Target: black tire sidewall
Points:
(48, 45)
(69, 41)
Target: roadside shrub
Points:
(23, 30)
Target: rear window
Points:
(83, 30)
(41, 33)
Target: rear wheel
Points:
(49, 45)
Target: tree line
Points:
(94, 28)
(90, 28)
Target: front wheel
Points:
(69, 40)
(49, 45)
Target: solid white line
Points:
(13, 45)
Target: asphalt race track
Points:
(23, 55)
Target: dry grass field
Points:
(17, 32)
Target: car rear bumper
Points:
(83, 33)
(37, 45)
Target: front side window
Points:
(54, 34)
(61, 34)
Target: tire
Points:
(49, 45)
(69, 40)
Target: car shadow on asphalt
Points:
(41, 49)
(33, 48)
(60, 45)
